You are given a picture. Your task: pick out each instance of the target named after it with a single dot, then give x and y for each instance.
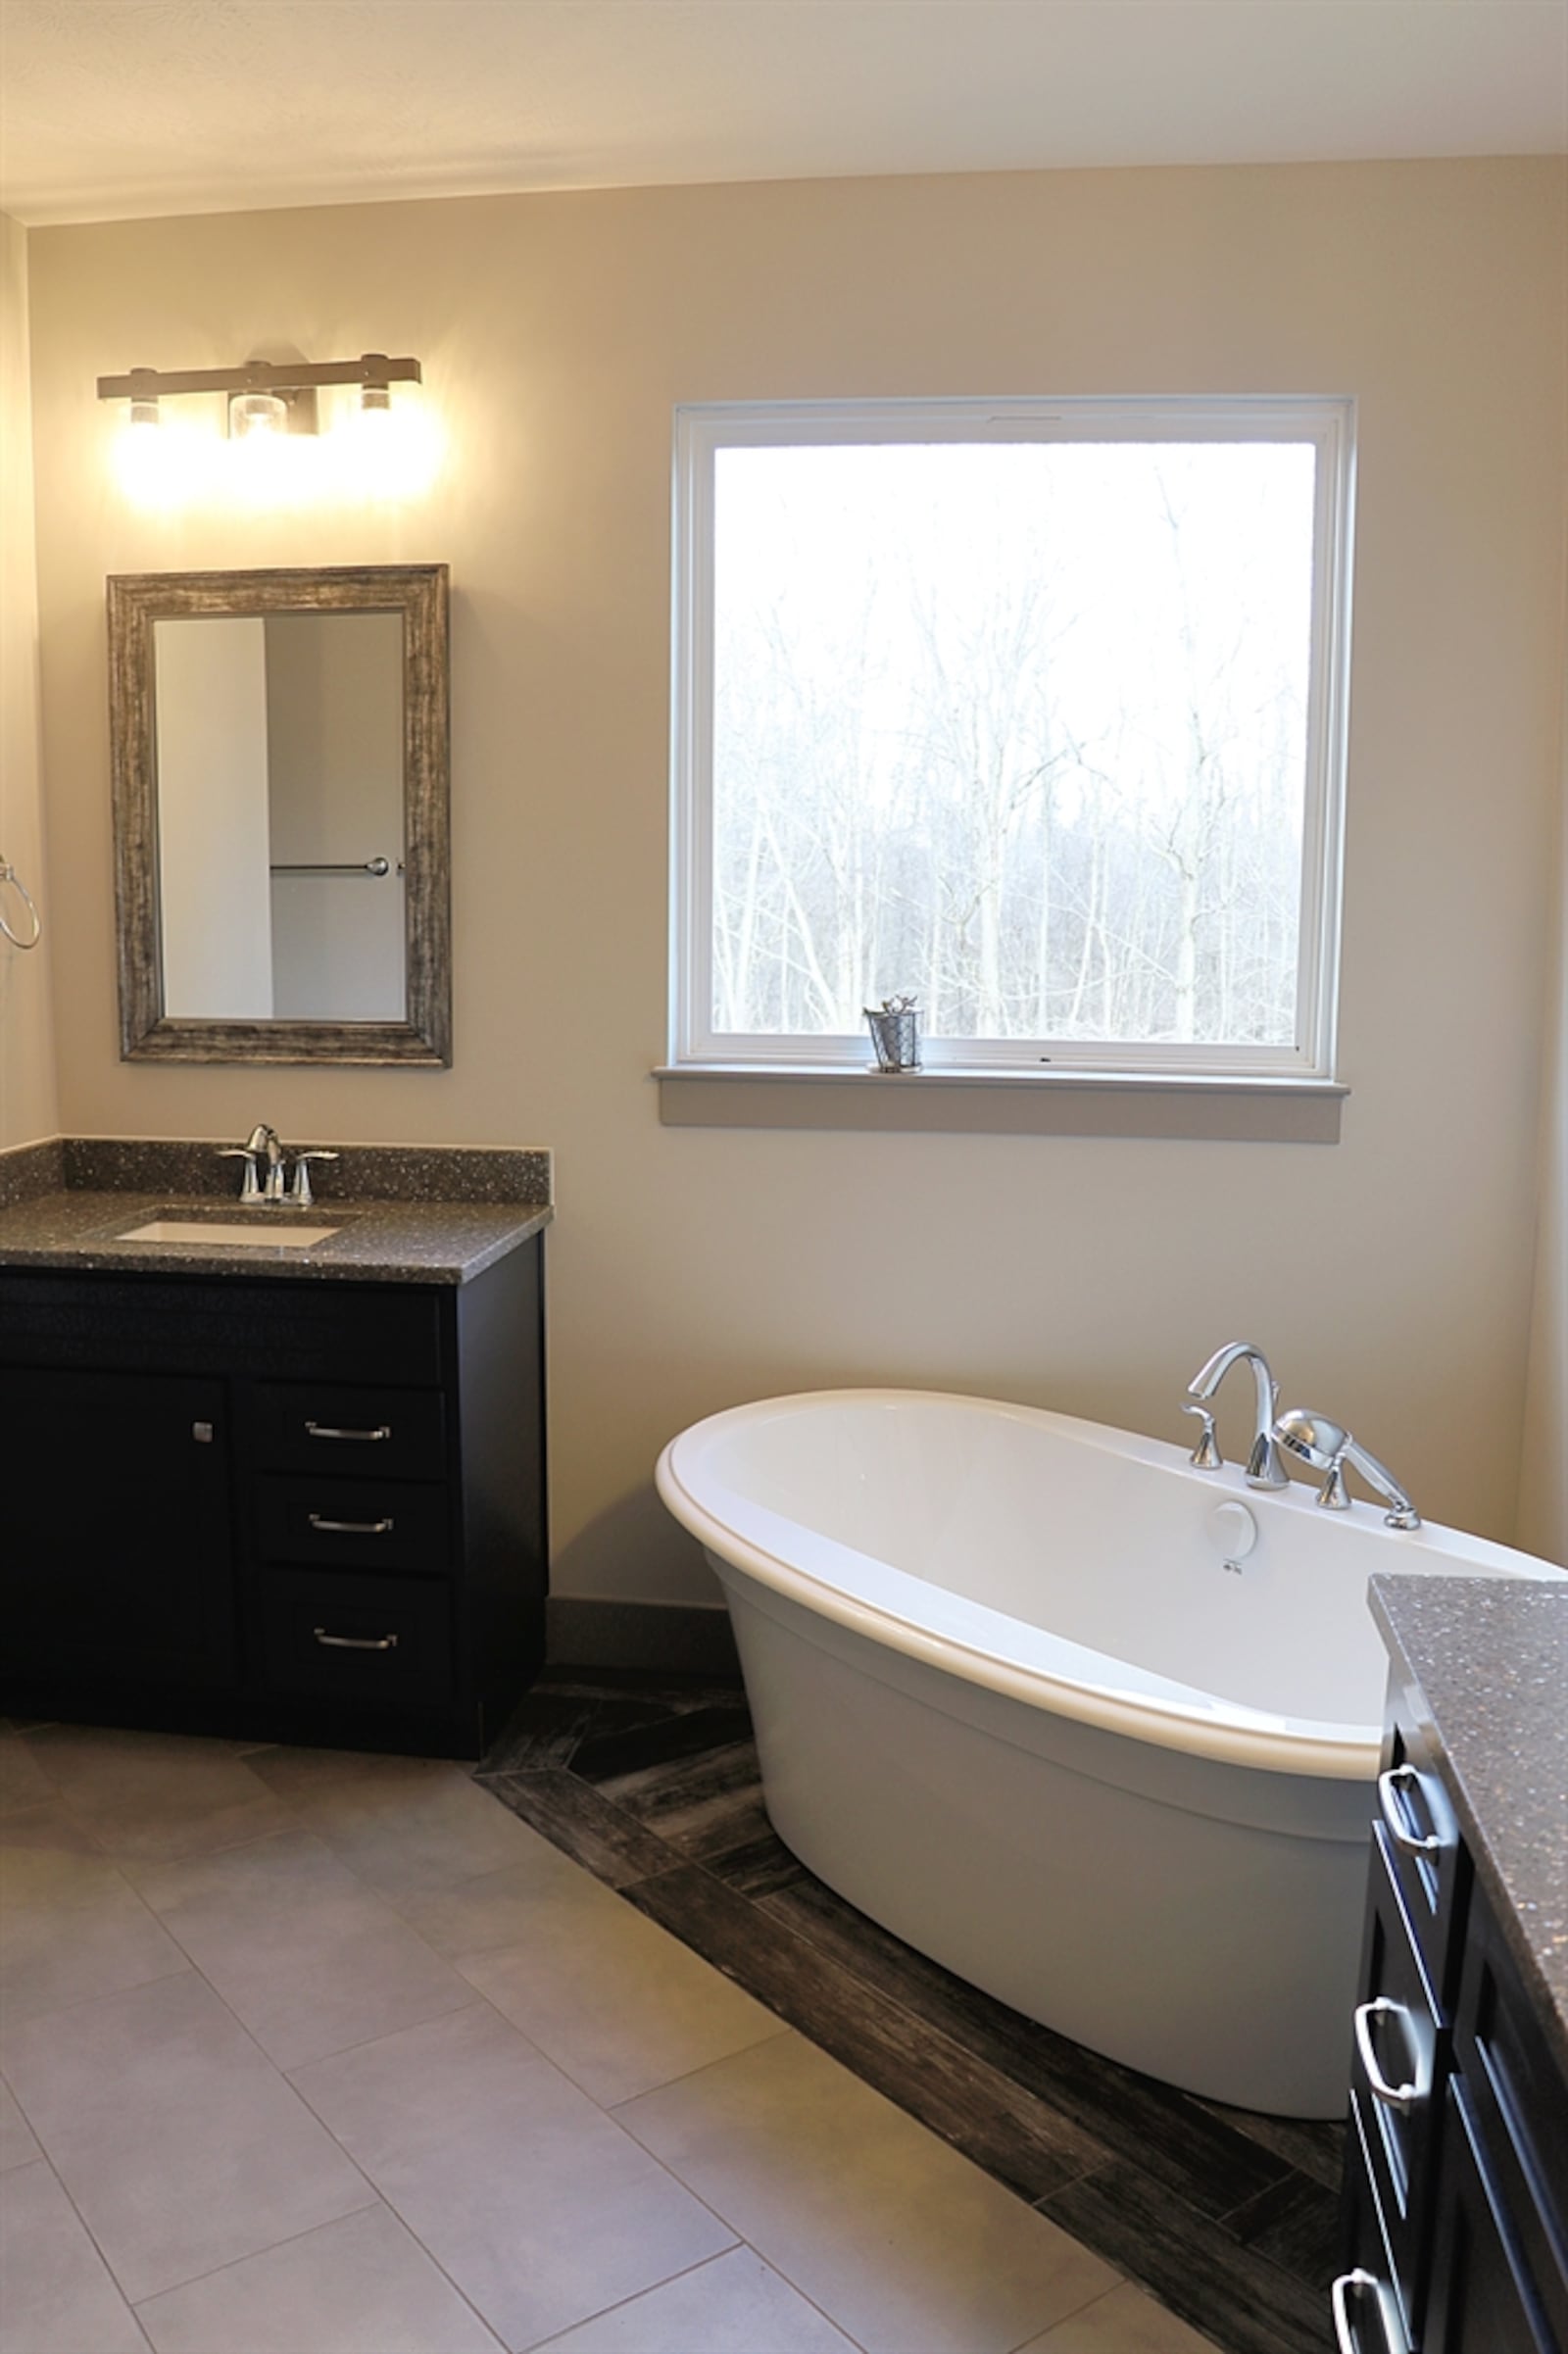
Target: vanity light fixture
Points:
(266, 396)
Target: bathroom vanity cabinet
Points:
(282, 1508)
(1457, 2183)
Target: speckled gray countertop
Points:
(1491, 1658)
(401, 1214)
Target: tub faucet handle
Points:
(1205, 1455)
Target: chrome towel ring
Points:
(9, 874)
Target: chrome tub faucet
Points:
(1264, 1466)
(1313, 1438)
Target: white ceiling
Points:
(116, 109)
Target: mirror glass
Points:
(279, 753)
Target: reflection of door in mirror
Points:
(280, 814)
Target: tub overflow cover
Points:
(1234, 1530)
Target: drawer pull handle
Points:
(1403, 2097)
(351, 1528)
(1346, 2339)
(355, 1643)
(324, 1430)
(1394, 1790)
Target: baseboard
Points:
(689, 1639)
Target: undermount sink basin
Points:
(272, 1235)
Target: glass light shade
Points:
(253, 414)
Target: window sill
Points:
(1239, 1110)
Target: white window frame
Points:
(703, 429)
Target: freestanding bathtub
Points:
(1088, 1727)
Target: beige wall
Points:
(1390, 1276)
(1544, 1484)
(27, 1102)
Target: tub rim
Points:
(1202, 1727)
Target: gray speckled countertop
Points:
(401, 1214)
(1491, 1658)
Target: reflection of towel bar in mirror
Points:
(349, 866)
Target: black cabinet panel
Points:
(1482, 2301)
(337, 1332)
(117, 1562)
(1519, 2108)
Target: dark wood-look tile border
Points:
(136, 600)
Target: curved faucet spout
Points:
(1264, 1466)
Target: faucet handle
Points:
(304, 1193)
(1205, 1455)
(250, 1184)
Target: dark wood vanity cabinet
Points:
(291, 1509)
(1457, 2185)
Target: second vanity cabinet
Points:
(282, 1508)
(1457, 2185)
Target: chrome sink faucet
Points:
(1313, 1438)
(1264, 1466)
(263, 1149)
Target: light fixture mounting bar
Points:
(259, 376)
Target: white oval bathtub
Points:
(1022, 1697)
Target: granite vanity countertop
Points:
(401, 1214)
(1491, 1657)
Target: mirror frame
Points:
(139, 600)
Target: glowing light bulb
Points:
(385, 448)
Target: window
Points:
(1034, 711)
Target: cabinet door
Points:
(115, 1563)
(1481, 2301)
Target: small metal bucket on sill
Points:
(895, 1027)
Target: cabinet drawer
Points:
(1425, 1851)
(354, 1524)
(364, 1640)
(1369, 2317)
(374, 1434)
(1397, 2072)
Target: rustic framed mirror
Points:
(280, 756)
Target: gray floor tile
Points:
(411, 1826)
(898, 2238)
(152, 1795)
(613, 1999)
(1127, 2322)
(71, 1923)
(18, 2143)
(59, 2297)
(179, 2143)
(300, 1950)
(534, 2202)
(22, 1780)
(734, 2305)
(362, 2285)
